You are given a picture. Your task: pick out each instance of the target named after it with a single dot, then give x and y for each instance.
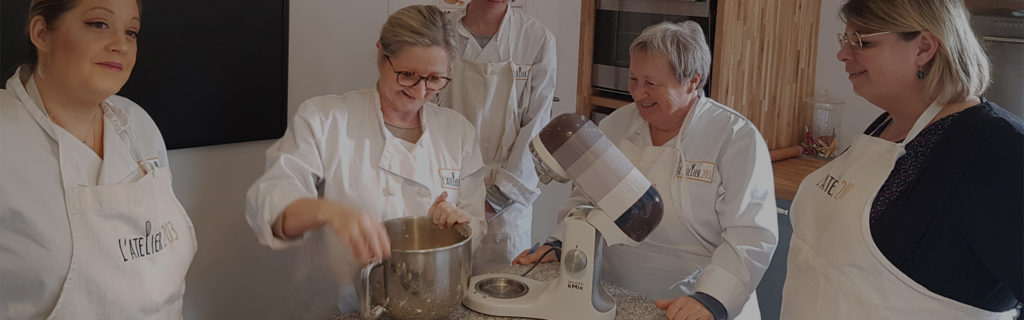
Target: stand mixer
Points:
(626, 210)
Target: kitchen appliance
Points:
(426, 275)
(627, 209)
(618, 22)
(1003, 38)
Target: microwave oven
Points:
(618, 22)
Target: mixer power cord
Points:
(535, 263)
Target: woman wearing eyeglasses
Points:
(350, 161)
(922, 217)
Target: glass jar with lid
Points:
(821, 128)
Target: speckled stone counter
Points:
(628, 305)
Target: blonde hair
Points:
(682, 44)
(959, 68)
(417, 25)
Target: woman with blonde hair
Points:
(349, 161)
(922, 217)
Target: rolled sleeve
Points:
(713, 305)
(517, 178)
(746, 213)
(294, 169)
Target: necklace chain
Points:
(91, 138)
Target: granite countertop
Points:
(628, 304)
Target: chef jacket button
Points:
(388, 192)
(425, 193)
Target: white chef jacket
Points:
(729, 177)
(526, 42)
(338, 148)
(35, 233)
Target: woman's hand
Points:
(529, 258)
(684, 308)
(445, 214)
(489, 212)
(363, 232)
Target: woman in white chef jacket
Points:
(350, 161)
(713, 172)
(922, 217)
(90, 226)
(504, 83)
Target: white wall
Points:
(830, 75)
(562, 17)
(330, 51)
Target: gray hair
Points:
(417, 25)
(684, 46)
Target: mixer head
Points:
(572, 148)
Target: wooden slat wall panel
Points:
(764, 60)
(588, 10)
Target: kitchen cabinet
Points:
(994, 7)
(763, 64)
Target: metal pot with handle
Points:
(426, 276)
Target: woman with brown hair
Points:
(89, 224)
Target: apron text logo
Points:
(576, 285)
(522, 71)
(149, 243)
(698, 170)
(833, 187)
(449, 178)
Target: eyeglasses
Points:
(411, 79)
(856, 41)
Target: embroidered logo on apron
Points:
(702, 171)
(449, 178)
(147, 244)
(834, 187)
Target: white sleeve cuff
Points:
(515, 189)
(719, 283)
(263, 209)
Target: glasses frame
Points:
(844, 39)
(426, 80)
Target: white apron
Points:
(835, 269)
(132, 245)
(668, 263)
(488, 95)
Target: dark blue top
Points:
(951, 213)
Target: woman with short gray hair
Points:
(712, 169)
(349, 161)
(684, 46)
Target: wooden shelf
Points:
(608, 102)
(790, 172)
